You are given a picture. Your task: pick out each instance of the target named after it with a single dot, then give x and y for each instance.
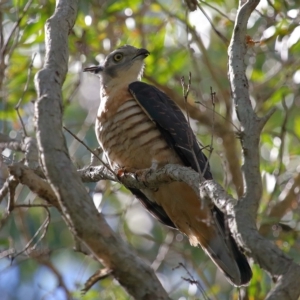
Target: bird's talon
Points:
(141, 176)
(124, 170)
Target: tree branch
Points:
(7, 142)
(35, 183)
(286, 201)
(265, 253)
(77, 207)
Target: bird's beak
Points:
(141, 52)
(94, 69)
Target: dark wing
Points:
(175, 129)
(172, 124)
(155, 209)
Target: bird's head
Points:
(125, 64)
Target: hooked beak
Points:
(94, 69)
(141, 52)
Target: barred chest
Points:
(130, 139)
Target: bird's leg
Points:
(123, 170)
(139, 174)
(154, 166)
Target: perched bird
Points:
(138, 126)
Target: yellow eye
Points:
(118, 57)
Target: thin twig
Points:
(58, 275)
(9, 187)
(192, 280)
(4, 218)
(216, 9)
(24, 91)
(91, 151)
(15, 26)
(281, 148)
(44, 227)
(97, 276)
(31, 205)
(11, 199)
(213, 102)
(72, 93)
(5, 188)
(218, 114)
(191, 108)
(197, 39)
(219, 34)
(163, 250)
(186, 91)
(212, 94)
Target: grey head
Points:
(126, 62)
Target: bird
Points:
(139, 127)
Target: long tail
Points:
(224, 251)
(180, 207)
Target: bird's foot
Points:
(140, 175)
(125, 170)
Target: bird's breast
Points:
(130, 139)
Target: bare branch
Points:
(5, 47)
(31, 153)
(218, 33)
(92, 152)
(191, 4)
(4, 188)
(286, 201)
(9, 187)
(17, 107)
(162, 251)
(58, 275)
(96, 173)
(191, 280)
(42, 229)
(28, 145)
(97, 276)
(36, 184)
(244, 212)
(13, 144)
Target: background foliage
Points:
(180, 42)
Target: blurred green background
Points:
(180, 42)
